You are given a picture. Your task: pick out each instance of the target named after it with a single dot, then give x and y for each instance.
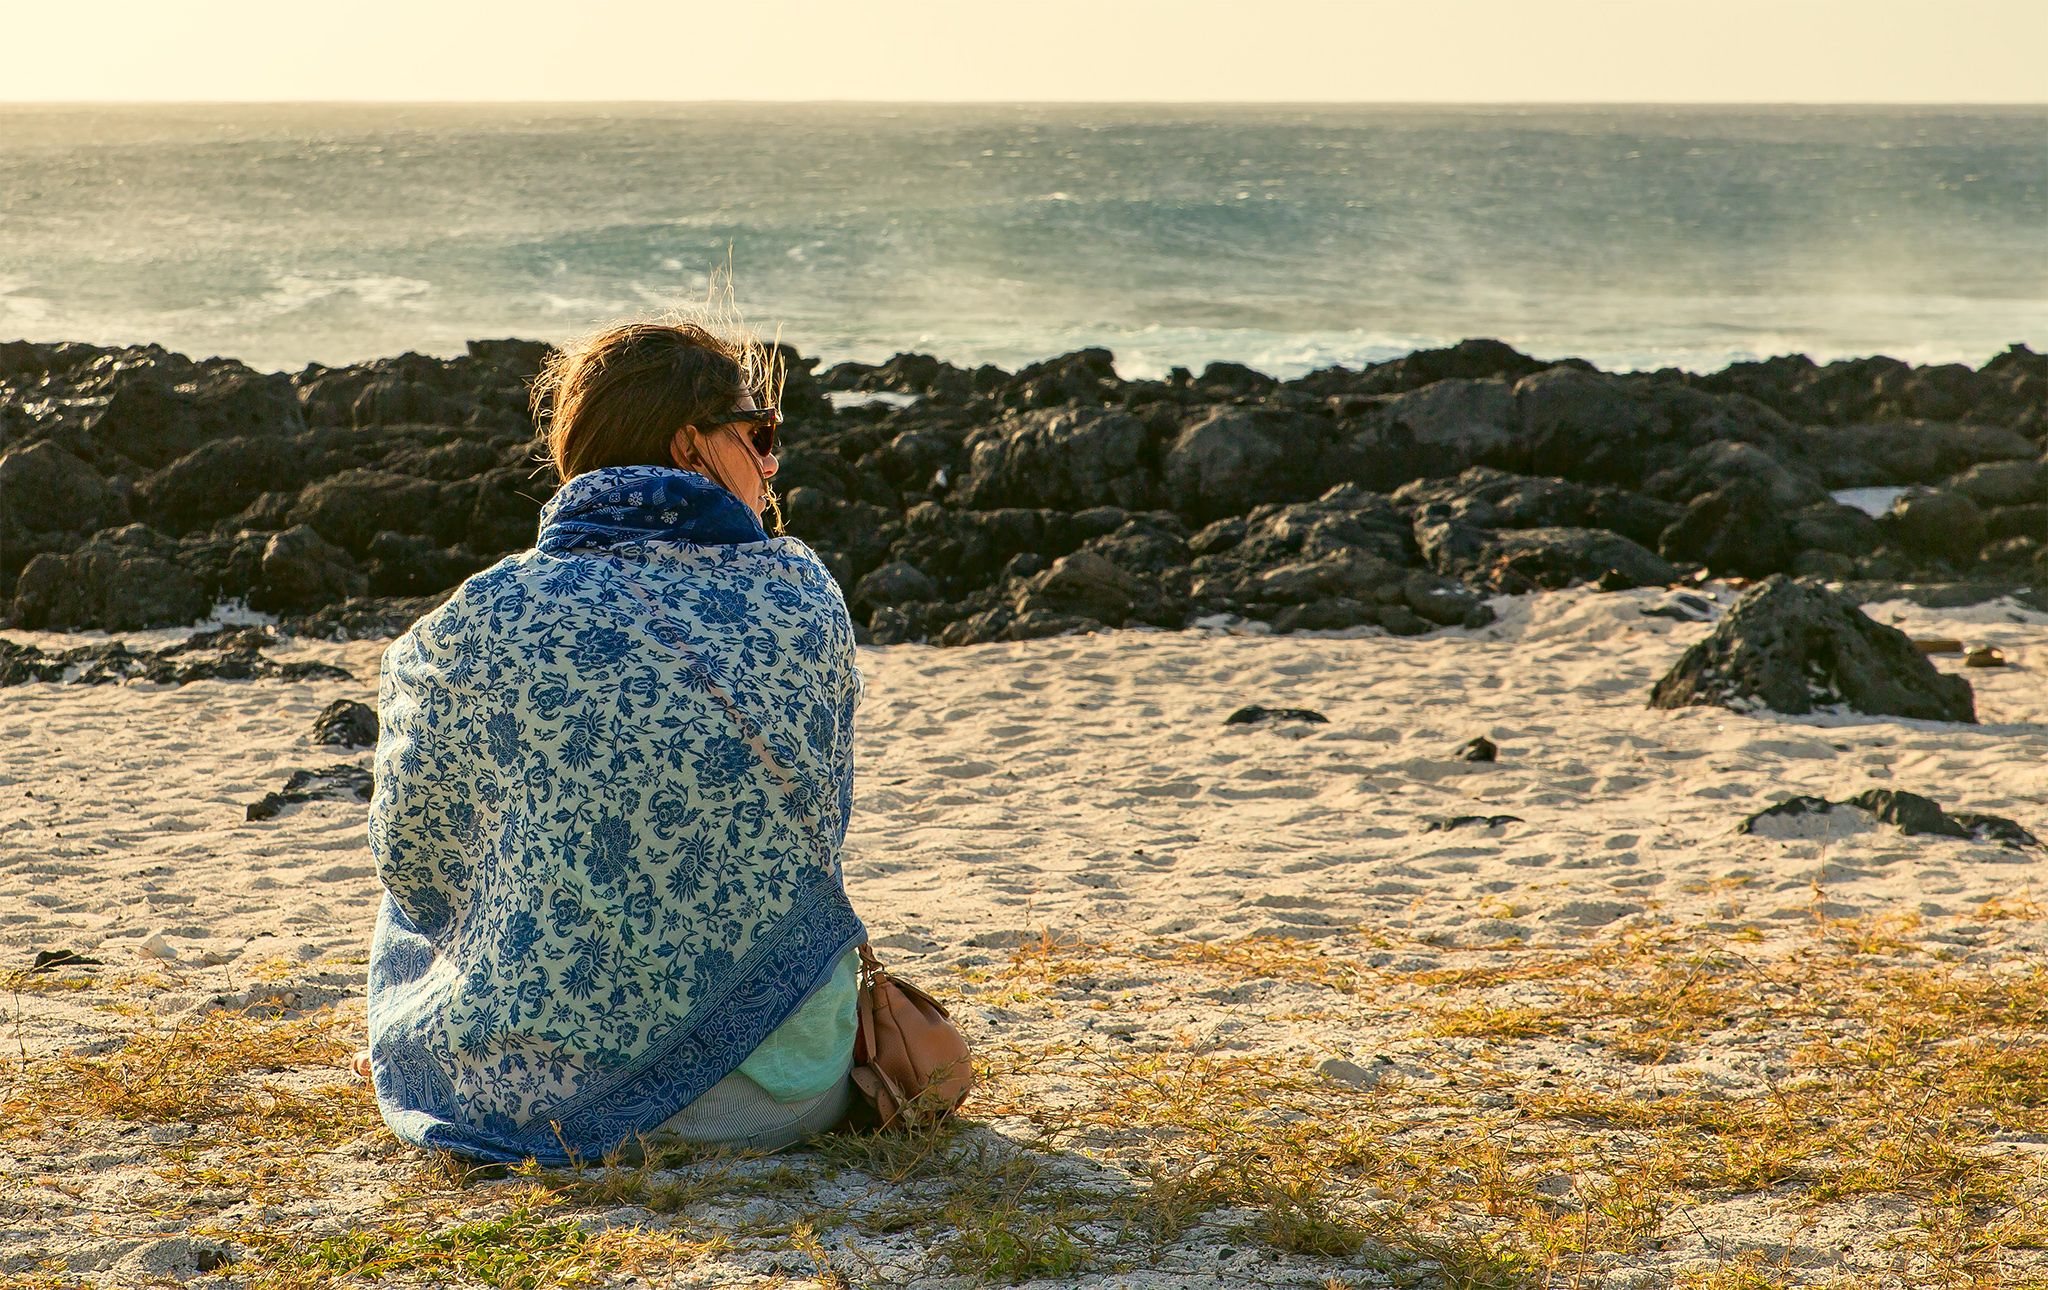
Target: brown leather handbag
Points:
(911, 1064)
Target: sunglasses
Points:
(762, 426)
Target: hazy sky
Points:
(1869, 51)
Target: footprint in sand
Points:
(964, 769)
(1285, 792)
(1591, 913)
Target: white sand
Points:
(1086, 789)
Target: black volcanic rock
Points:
(338, 783)
(367, 618)
(1253, 714)
(346, 723)
(1228, 493)
(229, 655)
(1793, 648)
(1738, 528)
(1485, 498)
(1545, 558)
(1084, 376)
(351, 508)
(2003, 483)
(1428, 432)
(1935, 522)
(896, 583)
(406, 564)
(1909, 452)
(1832, 527)
(1909, 813)
(2017, 522)
(301, 571)
(219, 478)
(44, 489)
(504, 507)
(1470, 360)
(1068, 458)
(154, 414)
(1231, 459)
(122, 580)
(1083, 585)
(1720, 463)
(1597, 428)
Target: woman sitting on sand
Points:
(612, 786)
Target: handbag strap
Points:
(864, 1007)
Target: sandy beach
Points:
(1253, 1009)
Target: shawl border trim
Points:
(620, 1107)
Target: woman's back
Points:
(611, 794)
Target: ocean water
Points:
(1286, 238)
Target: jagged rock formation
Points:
(139, 487)
(1794, 648)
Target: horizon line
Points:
(1075, 103)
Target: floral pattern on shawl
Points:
(613, 782)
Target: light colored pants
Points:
(738, 1114)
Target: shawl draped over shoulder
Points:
(613, 781)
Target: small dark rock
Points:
(346, 724)
(50, 960)
(1254, 714)
(1835, 529)
(1790, 809)
(1683, 607)
(1478, 749)
(207, 1258)
(1613, 580)
(1469, 821)
(2003, 483)
(338, 783)
(1911, 812)
(1523, 560)
(1402, 621)
(1995, 828)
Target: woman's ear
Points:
(681, 448)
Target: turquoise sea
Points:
(1286, 238)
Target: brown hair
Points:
(618, 398)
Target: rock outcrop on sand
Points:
(1807, 817)
(233, 654)
(346, 723)
(341, 782)
(1793, 648)
(139, 487)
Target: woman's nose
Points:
(769, 465)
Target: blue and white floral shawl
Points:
(612, 785)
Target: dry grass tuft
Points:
(1540, 1118)
(1879, 1071)
(207, 1067)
